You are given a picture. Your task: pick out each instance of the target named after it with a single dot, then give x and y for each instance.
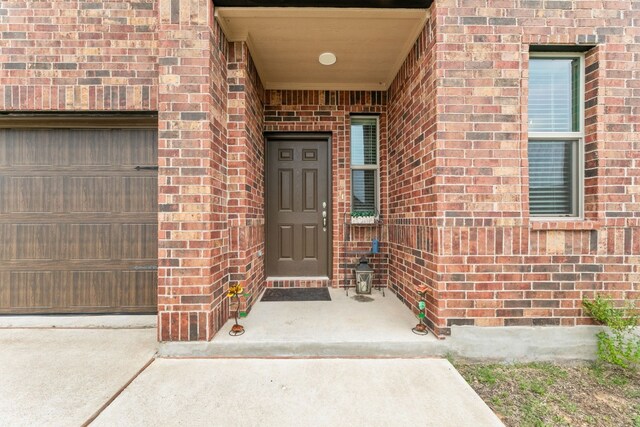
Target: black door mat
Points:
(296, 294)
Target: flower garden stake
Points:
(421, 328)
(234, 292)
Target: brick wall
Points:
(193, 219)
(412, 175)
(78, 55)
(329, 111)
(245, 146)
(496, 266)
(454, 186)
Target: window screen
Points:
(551, 182)
(364, 164)
(363, 190)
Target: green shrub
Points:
(620, 343)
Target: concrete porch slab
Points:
(342, 327)
(381, 327)
(320, 392)
(62, 377)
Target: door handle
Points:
(324, 219)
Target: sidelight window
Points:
(365, 171)
(556, 135)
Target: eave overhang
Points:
(370, 44)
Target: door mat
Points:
(296, 294)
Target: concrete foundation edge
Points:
(524, 343)
(138, 321)
(468, 342)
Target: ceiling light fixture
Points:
(327, 58)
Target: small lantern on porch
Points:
(364, 277)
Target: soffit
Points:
(370, 44)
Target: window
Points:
(364, 164)
(556, 135)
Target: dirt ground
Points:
(545, 394)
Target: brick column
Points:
(193, 235)
(414, 243)
(245, 146)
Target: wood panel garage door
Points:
(78, 221)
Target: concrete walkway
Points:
(299, 392)
(109, 376)
(60, 377)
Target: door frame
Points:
(327, 138)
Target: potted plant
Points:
(363, 217)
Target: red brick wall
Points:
(496, 267)
(328, 111)
(245, 146)
(193, 220)
(454, 186)
(412, 175)
(78, 55)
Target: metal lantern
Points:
(364, 277)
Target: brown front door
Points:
(298, 206)
(78, 220)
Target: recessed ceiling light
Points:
(327, 58)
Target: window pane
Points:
(553, 95)
(551, 182)
(363, 190)
(363, 141)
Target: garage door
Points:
(78, 220)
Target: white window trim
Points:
(567, 136)
(375, 167)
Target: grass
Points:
(546, 394)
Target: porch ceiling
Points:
(370, 44)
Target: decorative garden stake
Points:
(234, 292)
(421, 328)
